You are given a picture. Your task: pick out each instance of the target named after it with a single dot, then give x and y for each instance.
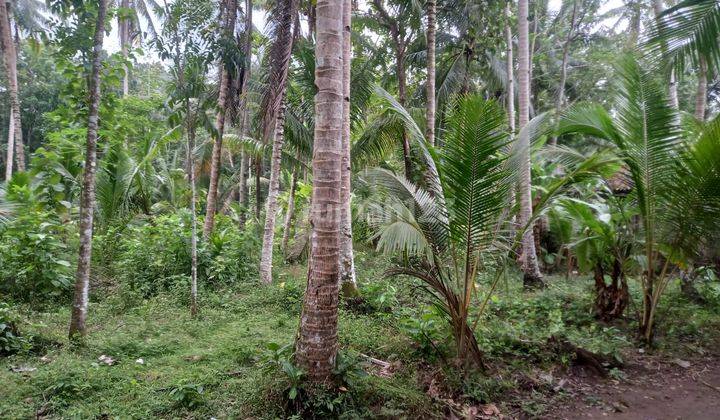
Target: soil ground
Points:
(653, 389)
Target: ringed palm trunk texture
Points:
(317, 341)
(701, 96)
(509, 69)
(87, 199)
(347, 260)
(10, 147)
(10, 61)
(273, 111)
(430, 83)
(271, 203)
(193, 215)
(290, 214)
(229, 28)
(531, 269)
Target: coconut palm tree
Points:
(15, 141)
(457, 229)
(317, 344)
(347, 260)
(430, 13)
(273, 121)
(676, 181)
(228, 18)
(129, 27)
(87, 199)
(530, 267)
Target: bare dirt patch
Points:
(654, 388)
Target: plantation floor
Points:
(658, 389)
(147, 358)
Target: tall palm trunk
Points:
(701, 96)
(317, 341)
(10, 147)
(347, 260)
(193, 213)
(531, 269)
(273, 118)
(87, 199)
(672, 83)
(247, 52)
(400, 44)
(124, 35)
(509, 69)
(10, 61)
(271, 202)
(563, 68)
(290, 214)
(224, 85)
(430, 83)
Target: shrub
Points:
(34, 259)
(10, 339)
(155, 256)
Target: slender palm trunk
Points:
(509, 69)
(247, 51)
(531, 269)
(258, 174)
(672, 83)
(10, 147)
(273, 107)
(124, 35)
(430, 83)
(193, 213)
(347, 260)
(271, 202)
(10, 61)
(317, 342)
(701, 96)
(290, 213)
(87, 199)
(563, 69)
(215, 163)
(402, 88)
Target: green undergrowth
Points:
(228, 362)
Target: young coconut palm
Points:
(676, 184)
(447, 247)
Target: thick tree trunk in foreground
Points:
(273, 112)
(10, 61)
(701, 96)
(347, 260)
(509, 69)
(317, 341)
(531, 269)
(215, 163)
(87, 199)
(430, 83)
